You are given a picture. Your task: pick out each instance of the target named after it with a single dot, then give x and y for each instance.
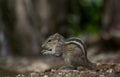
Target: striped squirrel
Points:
(73, 51)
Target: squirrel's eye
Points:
(49, 40)
(50, 49)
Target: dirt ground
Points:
(105, 70)
(107, 63)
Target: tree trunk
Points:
(29, 22)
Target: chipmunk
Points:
(73, 51)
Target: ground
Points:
(107, 63)
(106, 70)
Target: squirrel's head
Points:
(52, 45)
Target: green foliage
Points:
(89, 12)
(73, 29)
(92, 29)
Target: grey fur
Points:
(75, 57)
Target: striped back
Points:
(77, 41)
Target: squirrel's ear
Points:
(57, 36)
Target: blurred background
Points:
(25, 24)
